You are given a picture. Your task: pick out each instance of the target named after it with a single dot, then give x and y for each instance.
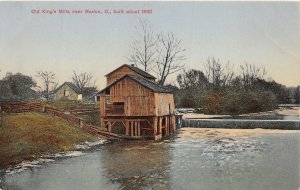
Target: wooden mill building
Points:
(134, 106)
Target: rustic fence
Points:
(26, 106)
(20, 106)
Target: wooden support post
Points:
(127, 127)
(154, 126)
(165, 126)
(134, 130)
(173, 123)
(139, 128)
(160, 125)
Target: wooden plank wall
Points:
(138, 100)
(119, 73)
(102, 104)
(162, 102)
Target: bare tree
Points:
(170, 56)
(55, 85)
(48, 79)
(83, 80)
(217, 74)
(143, 48)
(250, 73)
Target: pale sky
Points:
(261, 33)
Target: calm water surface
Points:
(262, 162)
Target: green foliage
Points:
(245, 93)
(212, 102)
(239, 101)
(17, 86)
(192, 79)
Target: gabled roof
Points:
(146, 83)
(135, 69)
(71, 85)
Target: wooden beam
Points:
(131, 128)
(167, 126)
(154, 126)
(139, 128)
(122, 120)
(127, 127)
(160, 125)
(173, 123)
(149, 123)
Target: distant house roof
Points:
(148, 84)
(135, 69)
(71, 85)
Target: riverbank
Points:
(27, 136)
(212, 163)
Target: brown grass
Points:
(29, 135)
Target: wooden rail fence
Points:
(26, 106)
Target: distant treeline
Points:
(218, 90)
(22, 87)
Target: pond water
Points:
(261, 162)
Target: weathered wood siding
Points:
(119, 73)
(102, 104)
(60, 94)
(164, 104)
(138, 100)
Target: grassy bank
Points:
(91, 118)
(69, 105)
(29, 135)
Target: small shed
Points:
(67, 91)
(134, 106)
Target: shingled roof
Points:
(135, 69)
(71, 85)
(146, 83)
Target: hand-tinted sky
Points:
(261, 33)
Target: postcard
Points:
(149, 95)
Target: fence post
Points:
(1, 117)
(43, 109)
(80, 123)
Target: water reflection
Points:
(83, 172)
(138, 166)
(263, 162)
